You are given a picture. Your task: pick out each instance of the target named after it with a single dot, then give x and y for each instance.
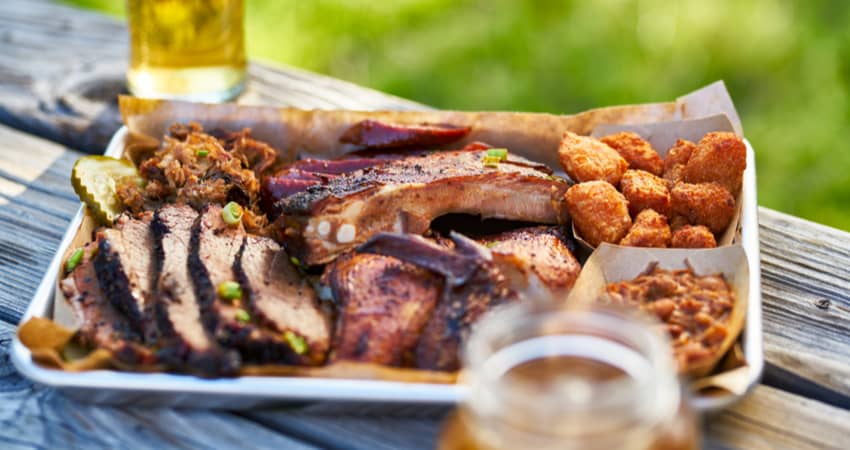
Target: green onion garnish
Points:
(230, 290)
(295, 261)
(243, 316)
(74, 260)
(298, 344)
(202, 153)
(232, 213)
(490, 161)
(501, 153)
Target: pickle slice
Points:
(94, 179)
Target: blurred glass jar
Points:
(186, 49)
(546, 378)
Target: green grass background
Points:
(786, 63)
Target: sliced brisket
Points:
(101, 324)
(125, 270)
(186, 344)
(215, 250)
(282, 300)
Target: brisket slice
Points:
(405, 195)
(383, 305)
(125, 270)
(101, 324)
(214, 252)
(281, 299)
(186, 345)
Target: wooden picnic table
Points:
(60, 71)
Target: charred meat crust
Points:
(461, 304)
(101, 324)
(186, 343)
(125, 272)
(215, 252)
(384, 304)
(547, 251)
(405, 195)
(281, 299)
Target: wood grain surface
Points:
(60, 70)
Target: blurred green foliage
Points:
(787, 65)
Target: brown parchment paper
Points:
(612, 263)
(314, 133)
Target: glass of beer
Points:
(186, 49)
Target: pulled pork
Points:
(197, 168)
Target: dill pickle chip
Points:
(94, 179)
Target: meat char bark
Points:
(404, 195)
(545, 250)
(214, 255)
(384, 303)
(185, 342)
(101, 324)
(125, 269)
(282, 300)
(474, 284)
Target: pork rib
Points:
(405, 195)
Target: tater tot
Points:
(586, 159)
(599, 212)
(636, 151)
(644, 190)
(676, 159)
(650, 229)
(708, 204)
(720, 157)
(693, 236)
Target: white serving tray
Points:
(163, 389)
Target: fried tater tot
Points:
(644, 190)
(586, 159)
(636, 151)
(676, 159)
(650, 229)
(720, 157)
(708, 204)
(599, 212)
(693, 236)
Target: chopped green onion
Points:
(491, 244)
(232, 213)
(490, 161)
(243, 316)
(501, 153)
(74, 260)
(202, 153)
(298, 344)
(230, 290)
(295, 261)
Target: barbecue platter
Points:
(230, 241)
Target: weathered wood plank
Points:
(806, 291)
(773, 419)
